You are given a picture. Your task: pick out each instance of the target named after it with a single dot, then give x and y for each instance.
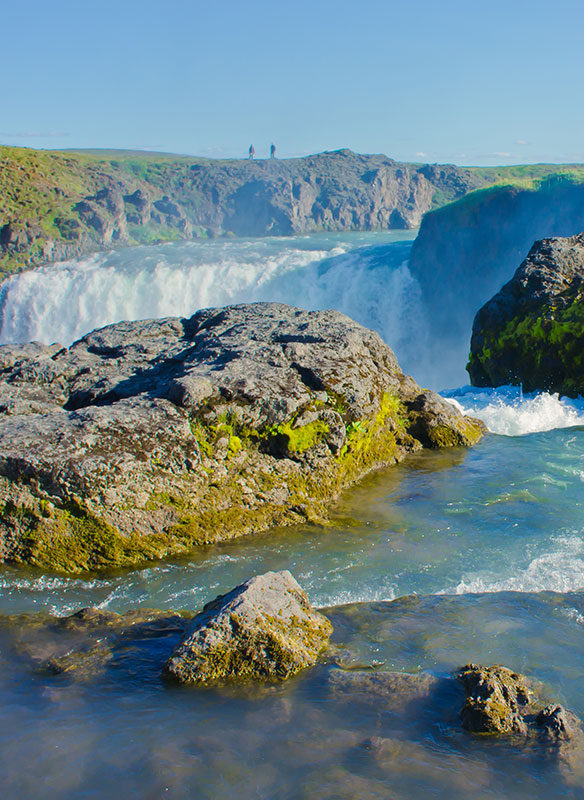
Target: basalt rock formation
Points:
(61, 205)
(532, 331)
(145, 439)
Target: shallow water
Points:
(505, 515)
(483, 549)
(126, 734)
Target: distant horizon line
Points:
(164, 153)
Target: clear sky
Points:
(463, 81)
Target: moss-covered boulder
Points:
(147, 439)
(264, 629)
(495, 697)
(532, 331)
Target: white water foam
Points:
(65, 301)
(371, 284)
(507, 411)
(559, 570)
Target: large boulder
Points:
(532, 331)
(264, 629)
(149, 438)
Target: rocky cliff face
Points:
(55, 206)
(149, 438)
(467, 250)
(532, 331)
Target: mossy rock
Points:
(149, 439)
(264, 629)
(532, 331)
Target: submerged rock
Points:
(558, 725)
(146, 439)
(88, 643)
(532, 330)
(264, 629)
(495, 697)
(381, 688)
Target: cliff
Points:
(56, 205)
(465, 251)
(532, 331)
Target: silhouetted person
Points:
(251, 151)
(273, 151)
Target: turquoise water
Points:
(453, 556)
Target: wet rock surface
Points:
(264, 629)
(149, 438)
(558, 725)
(89, 644)
(532, 331)
(495, 699)
(500, 701)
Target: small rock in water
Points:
(558, 724)
(263, 629)
(501, 701)
(494, 699)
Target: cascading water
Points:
(363, 275)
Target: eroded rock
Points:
(146, 439)
(264, 629)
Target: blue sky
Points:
(465, 82)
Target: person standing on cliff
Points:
(273, 151)
(251, 151)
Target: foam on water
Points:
(507, 411)
(66, 300)
(560, 570)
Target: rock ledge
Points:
(146, 439)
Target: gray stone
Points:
(263, 629)
(166, 434)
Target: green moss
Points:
(373, 442)
(300, 439)
(543, 349)
(273, 650)
(75, 540)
